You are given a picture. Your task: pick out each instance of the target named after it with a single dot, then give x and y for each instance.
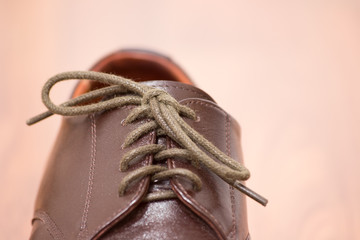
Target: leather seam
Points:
(172, 163)
(212, 105)
(138, 192)
(228, 149)
(51, 226)
(117, 212)
(184, 88)
(83, 228)
(194, 201)
(232, 234)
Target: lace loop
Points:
(165, 116)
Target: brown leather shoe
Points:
(132, 162)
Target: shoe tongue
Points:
(178, 90)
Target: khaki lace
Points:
(165, 116)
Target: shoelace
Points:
(165, 116)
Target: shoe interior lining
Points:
(138, 68)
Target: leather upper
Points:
(78, 197)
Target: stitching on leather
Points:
(142, 182)
(50, 225)
(196, 203)
(232, 193)
(205, 104)
(173, 162)
(184, 88)
(117, 212)
(228, 149)
(91, 178)
(231, 189)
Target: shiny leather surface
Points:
(78, 197)
(163, 220)
(216, 203)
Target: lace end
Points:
(38, 118)
(250, 193)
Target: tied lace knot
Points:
(153, 93)
(164, 114)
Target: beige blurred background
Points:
(287, 70)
